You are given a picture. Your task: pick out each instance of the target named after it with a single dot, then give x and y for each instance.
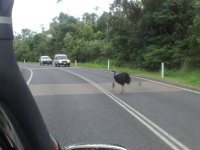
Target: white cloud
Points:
(34, 13)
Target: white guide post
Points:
(76, 63)
(108, 64)
(162, 70)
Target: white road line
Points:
(166, 137)
(159, 82)
(41, 68)
(166, 84)
(35, 68)
(31, 76)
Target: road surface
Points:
(80, 106)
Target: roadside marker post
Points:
(76, 63)
(108, 64)
(162, 70)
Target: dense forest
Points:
(135, 33)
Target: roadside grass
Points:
(189, 79)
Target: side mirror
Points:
(94, 147)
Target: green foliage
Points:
(194, 42)
(87, 32)
(89, 18)
(87, 51)
(156, 55)
(133, 33)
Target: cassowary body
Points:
(122, 78)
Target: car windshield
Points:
(61, 57)
(45, 57)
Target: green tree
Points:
(87, 32)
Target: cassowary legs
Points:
(122, 88)
(113, 85)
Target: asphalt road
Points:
(80, 106)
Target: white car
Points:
(61, 59)
(45, 60)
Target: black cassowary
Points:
(121, 78)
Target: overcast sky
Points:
(32, 14)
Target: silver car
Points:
(61, 59)
(45, 60)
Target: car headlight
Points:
(68, 61)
